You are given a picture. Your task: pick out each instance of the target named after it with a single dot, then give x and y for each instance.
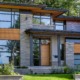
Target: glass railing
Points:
(17, 1)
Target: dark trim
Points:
(40, 51)
(59, 53)
(31, 50)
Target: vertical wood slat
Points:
(45, 54)
(10, 34)
(76, 48)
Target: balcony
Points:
(17, 1)
(45, 27)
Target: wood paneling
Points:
(45, 54)
(10, 34)
(76, 48)
(33, 9)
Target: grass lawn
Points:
(48, 77)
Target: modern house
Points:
(38, 37)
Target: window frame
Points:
(40, 14)
(12, 14)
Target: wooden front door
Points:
(77, 48)
(45, 54)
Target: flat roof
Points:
(67, 18)
(34, 8)
(52, 32)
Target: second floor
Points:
(34, 17)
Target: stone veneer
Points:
(69, 54)
(25, 23)
(54, 51)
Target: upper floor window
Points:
(9, 18)
(59, 25)
(42, 19)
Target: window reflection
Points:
(5, 24)
(7, 48)
(59, 25)
(5, 17)
(9, 19)
(42, 19)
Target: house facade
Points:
(38, 37)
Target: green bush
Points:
(7, 69)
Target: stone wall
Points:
(25, 23)
(54, 51)
(69, 54)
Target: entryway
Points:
(41, 52)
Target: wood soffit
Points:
(36, 9)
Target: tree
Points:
(71, 5)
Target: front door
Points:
(45, 54)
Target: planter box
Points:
(10, 77)
(76, 76)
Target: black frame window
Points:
(9, 18)
(10, 52)
(59, 26)
(42, 19)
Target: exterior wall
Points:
(26, 21)
(70, 54)
(73, 26)
(54, 51)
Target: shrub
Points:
(7, 69)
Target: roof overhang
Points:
(34, 8)
(67, 18)
(39, 32)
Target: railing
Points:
(17, 1)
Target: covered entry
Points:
(41, 52)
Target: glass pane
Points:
(36, 21)
(5, 57)
(36, 16)
(5, 24)
(76, 56)
(3, 48)
(59, 27)
(58, 23)
(5, 11)
(77, 62)
(15, 21)
(45, 17)
(3, 42)
(45, 21)
(5, 17)
(73, 40)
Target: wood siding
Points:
(10, 34)
(77, 48)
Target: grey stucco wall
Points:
(73, 26)
(69, 54)
(25, 23)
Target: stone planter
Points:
(10, 77)
(76, 76)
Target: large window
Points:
(42, 19)
(9, 18)
(10, 52)
(59, 25)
